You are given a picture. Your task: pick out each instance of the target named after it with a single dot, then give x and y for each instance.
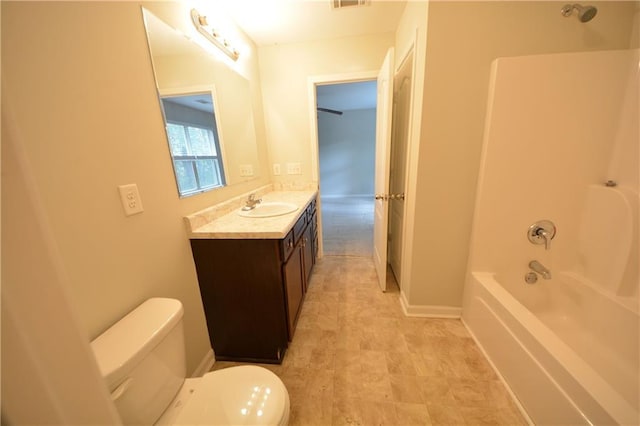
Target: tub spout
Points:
(539, 268)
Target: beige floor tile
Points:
(355, 359)
(416, 342)
(384, 340)
(454, 366)
(412, 414)
(346, 412)
(437, 391)
(401, 363)
(378, 413)
(445, 415)
(347, 361)
(366, 386)
(320, 384)
(406, 389)
(312, 411)
(346, 386)
(427, 365)
(349, 338)
(373, 362)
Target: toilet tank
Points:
(142, 358)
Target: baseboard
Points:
(428, 311)
(205, 365)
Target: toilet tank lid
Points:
(125, 343)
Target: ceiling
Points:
(270, 22)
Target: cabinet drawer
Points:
(298, 228)
(313, 222)
(287, 246)
(311, 209)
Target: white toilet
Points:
(142, 358)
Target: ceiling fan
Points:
(331, 111)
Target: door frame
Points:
(312, 83)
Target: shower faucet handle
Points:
(542, 232)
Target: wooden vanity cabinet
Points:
(253, 289)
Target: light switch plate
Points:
(130, 198)
(276, 169)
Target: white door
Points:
(383, 157)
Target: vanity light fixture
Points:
(200, 22)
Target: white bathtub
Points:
(568, 352)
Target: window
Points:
(195, 158)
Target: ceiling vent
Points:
(340, 4)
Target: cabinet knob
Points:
(290, 244)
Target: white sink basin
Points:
(269, 209)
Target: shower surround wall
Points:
(558, 127)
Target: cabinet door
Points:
(307, 245)
(293, 280)
(243, 298)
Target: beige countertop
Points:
(233, 226)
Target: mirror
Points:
(207, 111)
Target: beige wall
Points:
(463, 39)
(79, 82)
(284, 72)
(47, 364)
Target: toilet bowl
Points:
(142, 358)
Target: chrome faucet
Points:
(251, 202)
(542, 232)
(539, 268)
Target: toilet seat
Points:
(244, 395)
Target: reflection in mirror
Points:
(193, 141)
(211, 152)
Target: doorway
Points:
(346, 129)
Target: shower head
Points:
(585, 13)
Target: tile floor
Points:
(355, 359)
(347, 226)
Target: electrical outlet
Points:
(246, 170)
(130, 198)
(276, 169)
(294, 169)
